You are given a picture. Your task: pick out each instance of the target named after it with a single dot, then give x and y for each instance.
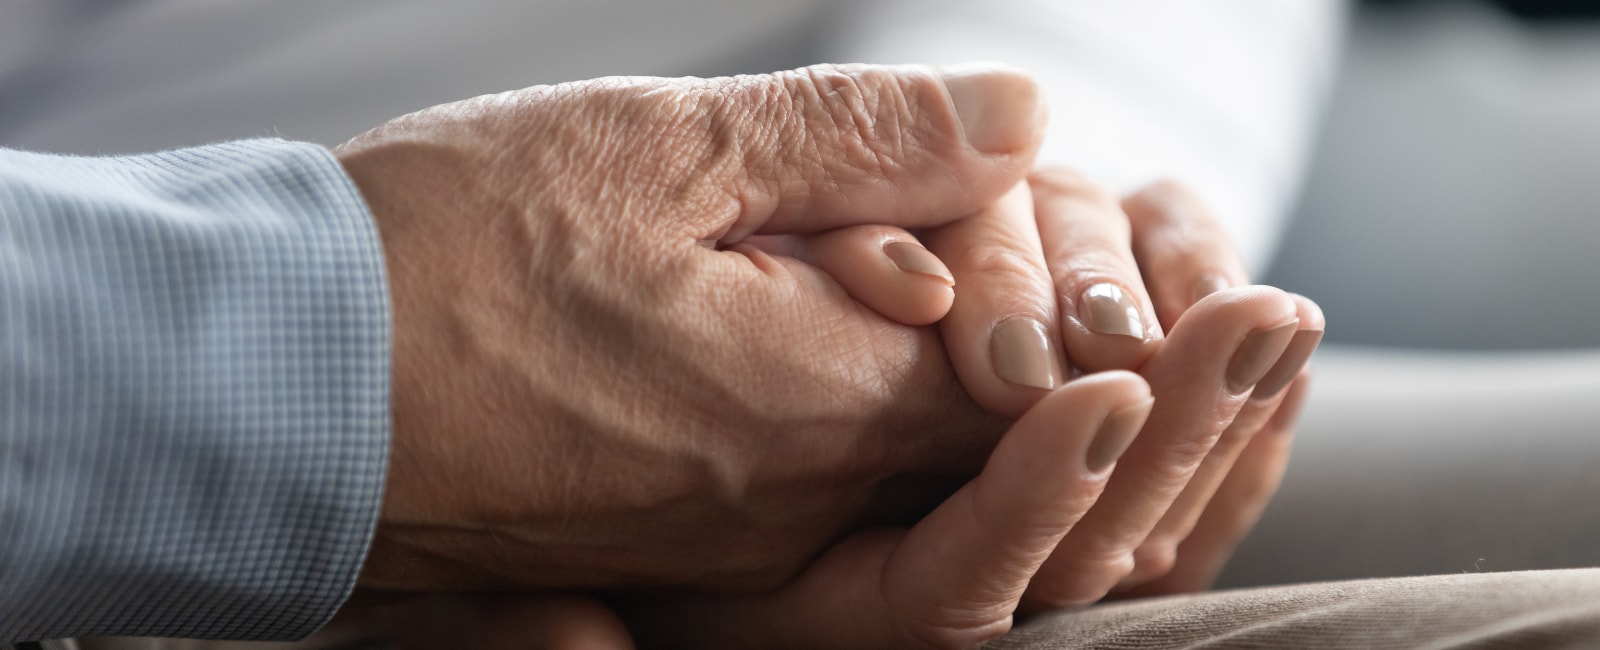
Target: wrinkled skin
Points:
(736, 412)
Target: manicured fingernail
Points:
(1107, 309)
(1116, 434)
(1289, 364)
(1022, 353)
(1207, 284)
(1000, 108)
(1256, 354)
(912, 258)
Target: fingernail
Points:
(913, 258)
(1116, 434)
(999, 108)
(1256, 354)
(1022, 353)
(1107, 309)
(1207, 284)
(1289, 364)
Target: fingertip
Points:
(911, 257)
(924, 291)
(887, 270)
(1107, 327)
(1000, 108)
(1297, 355)
(1258, 305)
(1311, 316)
(1228, 340)
(1086, 423)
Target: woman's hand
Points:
(1070, 507)
(1060, 276)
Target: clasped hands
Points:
(666, 340)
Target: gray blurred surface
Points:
(1454, 200)
(1452, 205)
(1416, 463)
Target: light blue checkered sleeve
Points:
(194, 376)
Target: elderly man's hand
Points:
(598, 381)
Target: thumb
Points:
(835, 145)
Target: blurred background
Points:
(1428, 171)
(1456, 182)
(1450, 227)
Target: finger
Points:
(826, 146)
(1298, 354)
(885, 268)
(961, 571)
(1105, 315)
(1200, 378)
(550, 622)
(503, 622)
(790, 317)
(954, 579)
(1002, 330)
(1157, 554)
(1181, 247)
(1238, 503)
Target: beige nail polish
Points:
(1116, 434)
(913, 258)
(1289, 364)
(1256, 355)
(1107, 309)
(1207, 284)
(1021, 352)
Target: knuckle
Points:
(1254, 489)
(1236, 436)
(1170, 204)
(655, 139)
(1165, 190)
(1004, 262)
(1089, 583)
(1103, 236)
(1154, 559)
(1178, 461)
(1063, 183)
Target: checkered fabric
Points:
(193, 391)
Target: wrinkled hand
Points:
(598, 382)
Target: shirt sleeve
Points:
(194, 385)
(1220, 95)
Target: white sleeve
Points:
(1221, 95)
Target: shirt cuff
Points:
(194, 392)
